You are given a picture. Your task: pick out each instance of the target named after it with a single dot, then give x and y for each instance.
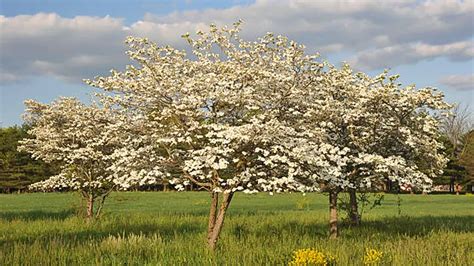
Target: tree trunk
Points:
(389, 186)
(90, 206)
(354, 208)
(219, 222)
(101, 205)
(212, 214)
(333, 232)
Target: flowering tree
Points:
(371, 130)
(86, 142)
(224, 118)
(263, 116)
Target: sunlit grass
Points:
(169, 229)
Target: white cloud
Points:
(377, 34)
(459, 82)
(354, 24)
(70, 48)
(411, 53)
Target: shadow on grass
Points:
(97, 231)
(164, 231)
(37, 215)
(412, 226)
(174, 226)
(389, 227)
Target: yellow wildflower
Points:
(306, 257)
(372, 256)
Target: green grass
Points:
(140, 228)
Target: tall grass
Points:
(169, 229)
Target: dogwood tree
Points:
(371, 130)
(86, 141)
(225, 117)
(263, 116)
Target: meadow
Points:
(169, 228)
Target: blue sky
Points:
(48, 47)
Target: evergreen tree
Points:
(18, 169)
(466, 158)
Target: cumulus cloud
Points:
(377, 33)
(69, 48)
(459, 82)
(411, 53)
(354, 24)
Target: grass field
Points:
(146, 228)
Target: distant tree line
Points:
(18, 169)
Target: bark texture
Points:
(213, 235)
(354, 208)
(90, 207)
(101, 205)
(212, 213)
(333, 230)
